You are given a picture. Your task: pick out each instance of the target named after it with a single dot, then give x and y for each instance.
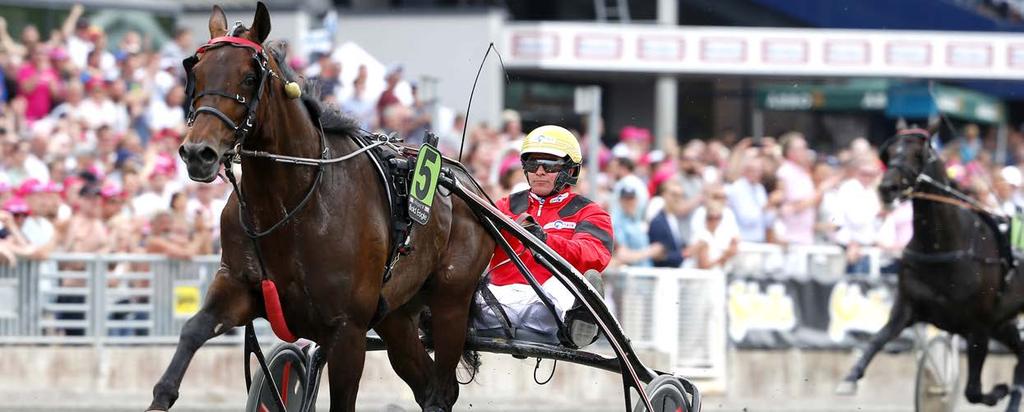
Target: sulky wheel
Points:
(287, 363)
(938, 376)
(666, 394)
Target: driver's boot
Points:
(580, 321)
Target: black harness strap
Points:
(947, 257)
(496, 307)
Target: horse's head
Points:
(905, 156)
(227, 77)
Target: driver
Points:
(573, 226)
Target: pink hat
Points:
(508, 163)
(633, 133)
(17, 205)
(93, 83)
(53, 187)
(96, 171)
(58, 53)
(30, 186)
(110, 191)
(72, 180)
(164, 166)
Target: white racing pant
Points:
(524, 308)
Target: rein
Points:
(957, 198)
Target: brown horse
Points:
(330, 234)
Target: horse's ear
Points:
(260, 24)
(218, 22)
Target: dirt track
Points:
(758, 381)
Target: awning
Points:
(852, 96)
(918, 101)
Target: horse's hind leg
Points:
(228, 303)
(449, 311)
(977, 351)
(900, 317)
(1010, 336)
(406, 353)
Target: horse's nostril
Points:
(182, 153)
(208, 155)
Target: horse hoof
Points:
(846, 388)
(998, 393)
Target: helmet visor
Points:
(550, 166)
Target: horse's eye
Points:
(249, 81)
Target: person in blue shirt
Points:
(632, 247)
(3, 87)
(749, 202)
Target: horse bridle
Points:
(245, 127)
(949, 195)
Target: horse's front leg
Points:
(345, 359)
(900, 317)
(228, 303)
(977, 351)
(1008, 334)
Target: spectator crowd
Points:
(89, 133)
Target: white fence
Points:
(822, 262)
(677, 312)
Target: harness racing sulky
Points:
(957, 273)
(332, 232)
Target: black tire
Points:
(666, 393)
(288, 364)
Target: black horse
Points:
(952, 273)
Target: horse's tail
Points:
(471, 362)
(471, 358)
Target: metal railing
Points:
(823, 262)
(76, 298)
(680, 313)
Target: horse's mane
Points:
(333, 120)
(331, 117)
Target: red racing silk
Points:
(577, 229)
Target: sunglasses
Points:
(550, 166)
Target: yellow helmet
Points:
(553, 140)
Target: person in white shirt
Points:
(715, 242)
(79, 43)
(207, 206)
(1007, 188)
(167, 113)
(859, 208)
(102, 110)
